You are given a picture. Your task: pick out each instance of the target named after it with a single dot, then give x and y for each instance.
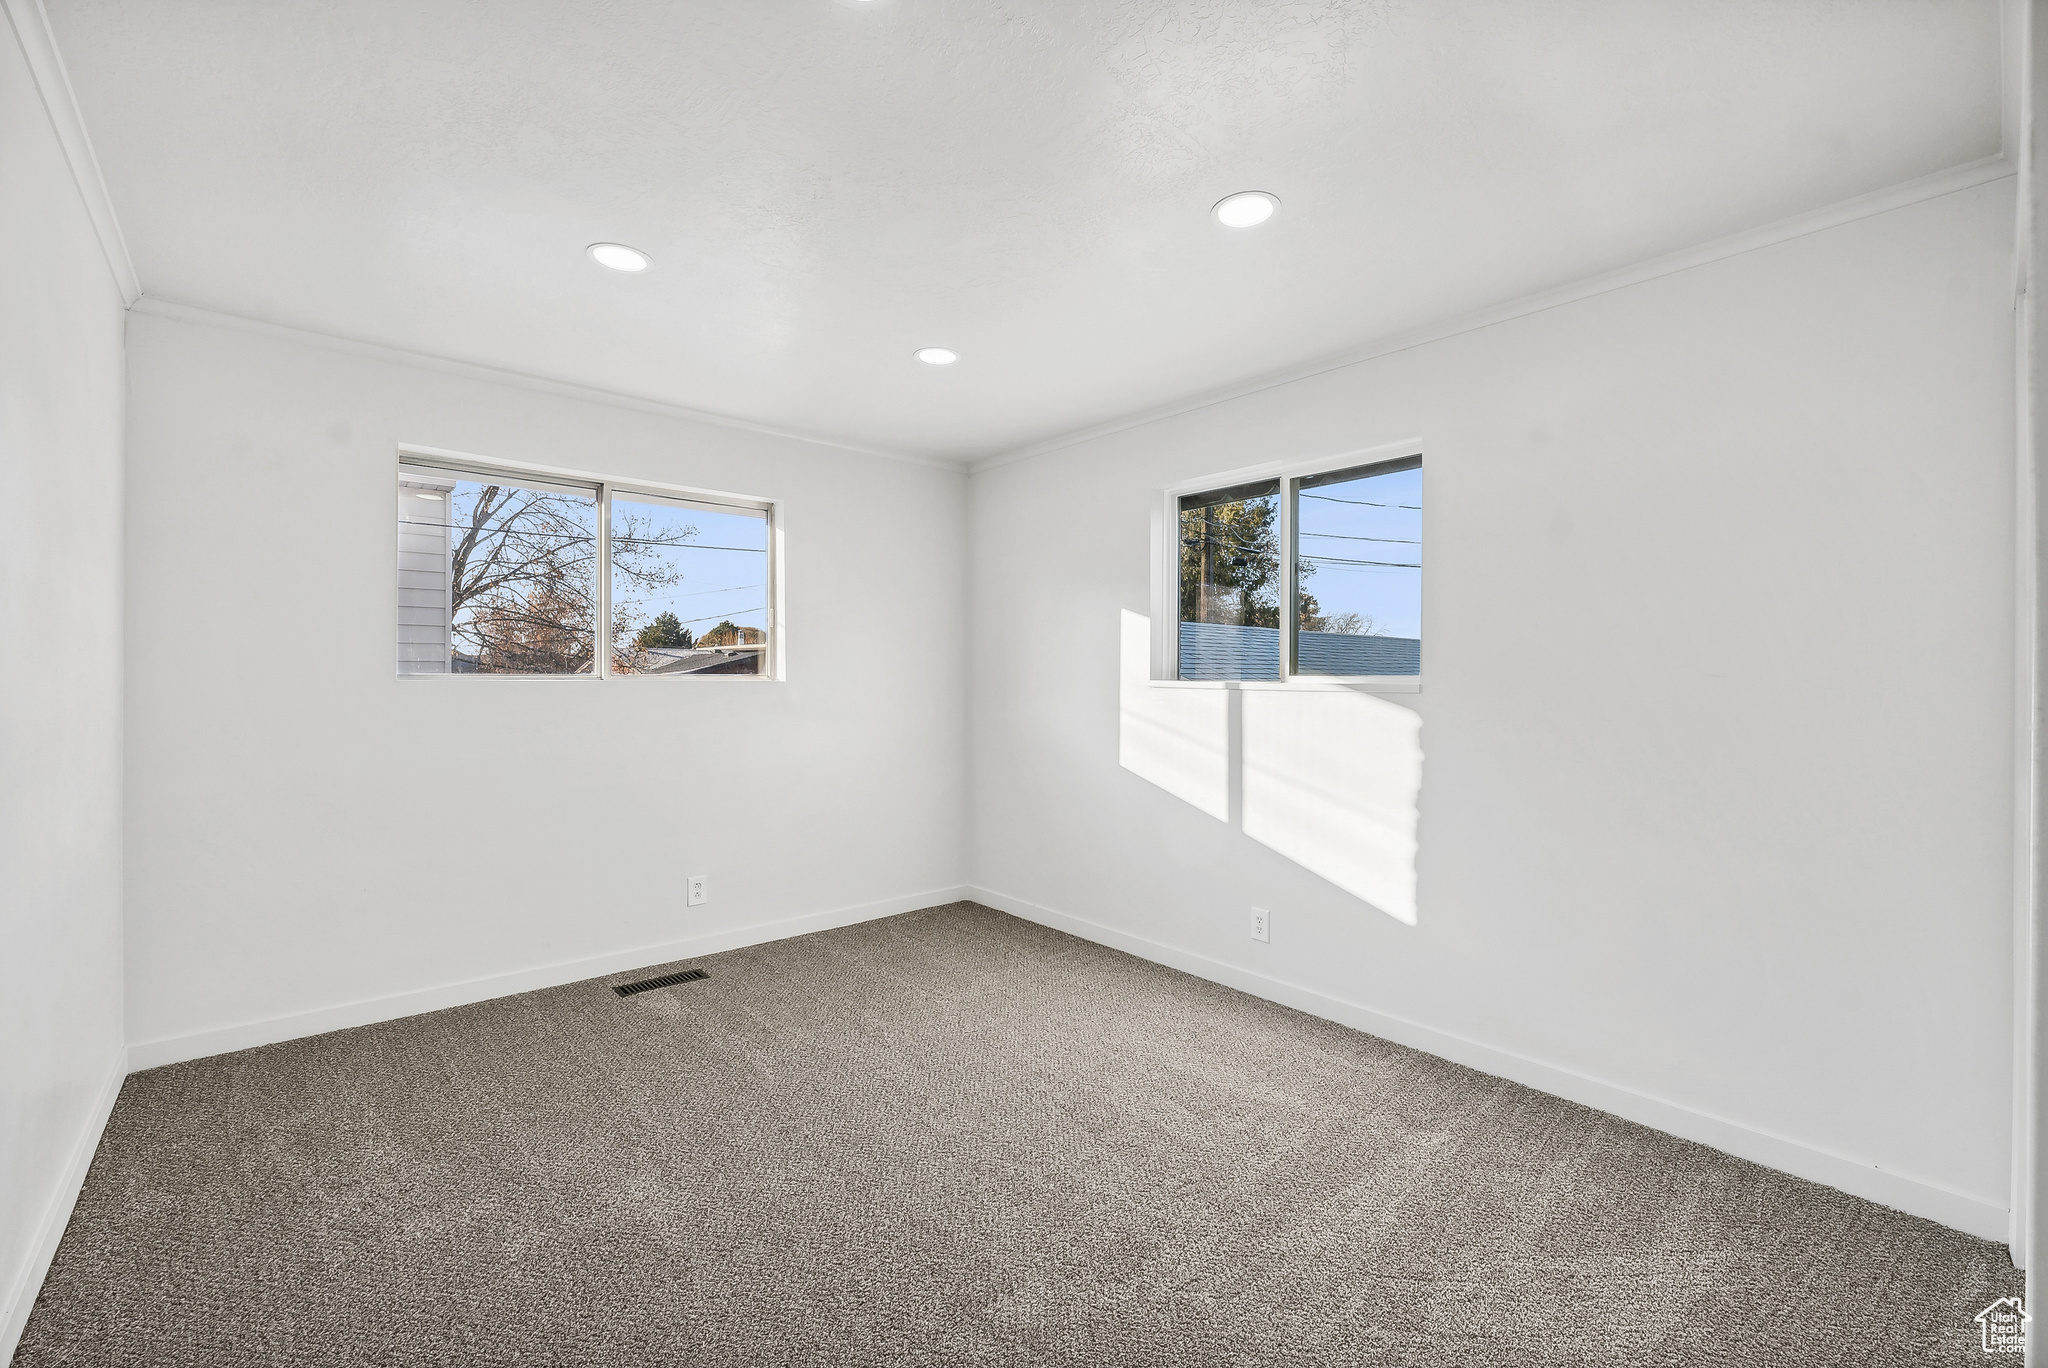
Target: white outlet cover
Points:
(1260, 925)
(700, 890)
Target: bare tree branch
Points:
(522, 577)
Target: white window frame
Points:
(1166, 575)
(602, 487)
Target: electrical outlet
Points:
(1259, 927)
(700, 890)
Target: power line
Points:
(1341, 536)
(1308, 555)
(1362, 503)
(1339, 560)
(687, 546)
(726, 616)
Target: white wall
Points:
(60, 688)
(314, 841)
(1715, 718)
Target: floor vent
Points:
(680, 976)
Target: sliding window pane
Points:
(1358, 570)
(689, 588)
(1230, 583)
(494, 577)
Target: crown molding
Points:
(31, 24)
(1949, 182)
(160, 307)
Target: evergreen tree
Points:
(1230, 562)
(664, 631)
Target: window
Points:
(502, 572)
(1317, 574)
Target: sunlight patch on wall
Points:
(1333, 782)
(1331, 779)
(1178, 739)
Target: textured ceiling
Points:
(826, 187)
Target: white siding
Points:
(424, 627)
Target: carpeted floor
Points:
(949, 1137)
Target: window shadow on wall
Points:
(1331, 779)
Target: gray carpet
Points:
(948, 1138)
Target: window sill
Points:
(1387, 684)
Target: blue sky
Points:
(724, 567)
(1377, 518)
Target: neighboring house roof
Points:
(1339, 653)
(1212, 650)
(681, 660)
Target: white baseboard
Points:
(150, 1054)
(21, 1297)
(1914, 1196)
(1974, 1215)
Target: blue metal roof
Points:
(1210, 650)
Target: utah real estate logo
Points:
(2003, 1326)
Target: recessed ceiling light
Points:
(937, 356)
(1245, 209)
(618, 256)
